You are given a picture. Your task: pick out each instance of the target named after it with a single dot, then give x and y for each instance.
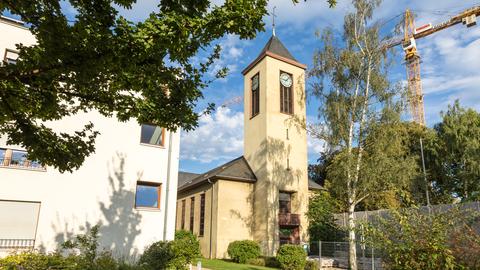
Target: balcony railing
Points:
(17, 243)
(23, 164)
(288, 219)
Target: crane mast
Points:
(412, 57)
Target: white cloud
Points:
(218, 137)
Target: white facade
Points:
(49, 207)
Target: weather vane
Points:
(273, 23)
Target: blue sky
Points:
(450, 68)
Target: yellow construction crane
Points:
(412, 58)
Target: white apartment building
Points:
(129, 185)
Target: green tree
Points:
(356, 104)
(98, 60)
(455, 154)
(321, 222)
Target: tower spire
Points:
(273, 20)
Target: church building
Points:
(262, 195)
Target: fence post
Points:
(319, 254)
(373, 259)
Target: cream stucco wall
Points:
(231, 216)
(267, 149)
(103, 189)
(235, 214)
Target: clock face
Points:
(255, 82)
(286, 80)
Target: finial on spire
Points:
(273, 20)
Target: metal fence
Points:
(336, 255)
(342, 219)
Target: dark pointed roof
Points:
(275, 48)
(236, 170)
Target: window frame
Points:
(255, 96)
(182, 222)
(162, 145)
(289, 202)
(290, 104)
(201, 231)
(6, 59)
(192, 213)
(159, 193)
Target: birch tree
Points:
(357, 100)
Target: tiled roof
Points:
(237, 170)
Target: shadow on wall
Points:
(119, 225)
(278, 177)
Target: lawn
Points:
(225, 265)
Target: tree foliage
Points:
(98, 60)
(358, 107)
(419, 239)
(454, 154)
(321, 222)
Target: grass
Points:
(226, 265)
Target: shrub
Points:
(32, 260)
(157, 256)
(241, 251)
(256, 261)
(312, 265)
(176, 254)
(185, 248)
(291, 257)
(410, 239)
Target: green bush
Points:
(185, 248)
(256, 261)
(176, 254)
(410, 239)
(157, 256)
(312, 265)
(291, 257)
(32, 261)
(241, 251)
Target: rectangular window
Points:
(183, 215)
(284, 200)
(19, 158)
(153, 135)
(10, 56)
(202, 214)
(286, 93)
(3, 161)
(147, 195)
(255, 94)
(192, 212)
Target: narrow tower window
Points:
(255, 94)
(192, 212)
(202, 214)
(183, 215)
(287, 135)
(286, 95)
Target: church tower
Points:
(275, 146)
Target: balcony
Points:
(288, 219)
(21, 164)
(17, 243)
